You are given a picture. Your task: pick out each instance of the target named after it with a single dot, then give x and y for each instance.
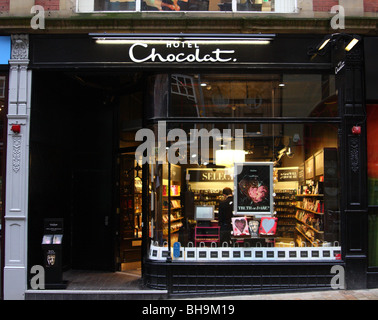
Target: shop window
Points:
(284, 176)
(287, 6)
(372, 156)
(258, 96)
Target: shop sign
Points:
(193, 53)
(173, 50)
(339, 66)
(53, 226)
(287, 175)
(209, 175)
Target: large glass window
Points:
(283, 174)
(277, 95)
(287, 6)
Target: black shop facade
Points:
(148, 130)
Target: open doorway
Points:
(81, 123)
(130, 213)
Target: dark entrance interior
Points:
(77, 123)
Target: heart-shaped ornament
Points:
(267, 224)
(240, 224)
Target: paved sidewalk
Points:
(366, 294)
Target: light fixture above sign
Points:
(351, 40)
(184, 40)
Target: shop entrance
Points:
(82, 138)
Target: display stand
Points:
(52, 253)
(207, 234)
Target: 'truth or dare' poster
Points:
(254, 189)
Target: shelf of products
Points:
(175, 215)
(317, 201)
(130, 210)
(208, 198)
(284, 206)
(309, 215)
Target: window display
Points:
(285, 190)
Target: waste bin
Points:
(52, 254)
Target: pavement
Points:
(365, 294)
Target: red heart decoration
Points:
(240, 224)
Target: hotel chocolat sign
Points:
(75, 50)
(180, 52)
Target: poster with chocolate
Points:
(253, 189)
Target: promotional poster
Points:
(254, 189)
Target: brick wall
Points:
(326, 5)
(370, 5)
(49, 5)
(4, 5)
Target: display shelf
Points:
(308, 210)
(310, 226)
(284, 206)
(201, 197)
(317, 200)
(206, 234)
(307, 218)
(175, 214)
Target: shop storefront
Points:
(151, 129)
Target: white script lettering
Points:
(217, 55)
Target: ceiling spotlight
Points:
(353, 40)
(325, 42)
(352, 43)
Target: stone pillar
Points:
(17, 160)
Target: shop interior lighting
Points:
(227, 158)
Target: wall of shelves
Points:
(130, 211)
(318, 201)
